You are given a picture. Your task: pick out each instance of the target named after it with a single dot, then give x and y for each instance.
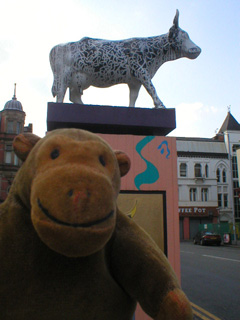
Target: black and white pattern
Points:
(103, 63)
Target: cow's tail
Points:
(54, 88)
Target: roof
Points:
(229, 124)
(13, 104)
(201, 147)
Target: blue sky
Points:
(200, 90)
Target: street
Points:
(211, 278)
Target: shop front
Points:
(191, 217)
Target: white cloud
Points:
(197, 120)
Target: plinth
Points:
(108, 119)
(149, 192)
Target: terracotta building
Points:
(12, 119)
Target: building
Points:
(12, 119)
(208, 179)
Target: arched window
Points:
(183, 170)
(224, 176)
(218, 175)
(198, 170)
(206, 171)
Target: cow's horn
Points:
(175, 20)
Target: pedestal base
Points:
(108, 119)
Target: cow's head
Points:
(180, 42)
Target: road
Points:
(211, 278)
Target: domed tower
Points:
(12, 119)
(12, 116)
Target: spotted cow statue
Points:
(104, 63)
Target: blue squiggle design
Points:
(151, 174)
(162, 148)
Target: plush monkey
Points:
(66, 251)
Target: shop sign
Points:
(197, 211)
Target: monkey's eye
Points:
(102, 161)
(55, 154)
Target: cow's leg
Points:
(78, 84)
(143, 76)
(133, 92)
(152, 91)
(75, 95)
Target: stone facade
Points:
(208, 179)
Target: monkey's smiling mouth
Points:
(74, 225)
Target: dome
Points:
(13, 104)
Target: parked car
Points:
(207, 237)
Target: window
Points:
(225, 200)
(225, 189)
(206, 171)
(16, 161)
(218, 175)
(18, 127)
(8, 153)
(8, 147)
(220, 200)
(224, 176)
(198, 170)
(236, 199)
(237, 207)
(183, 170)
(235, 186)
(8, 157)
(234, 167)
(204, 194)
(193, 194)
(10, 127)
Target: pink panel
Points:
(159, 155)
(140, 315)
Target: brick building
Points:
(12, 119)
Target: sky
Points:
(200, 90)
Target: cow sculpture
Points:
(104, 63)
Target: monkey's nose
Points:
(78, 195)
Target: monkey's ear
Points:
(23, 144)
(124, 162)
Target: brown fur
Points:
(66, 252)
